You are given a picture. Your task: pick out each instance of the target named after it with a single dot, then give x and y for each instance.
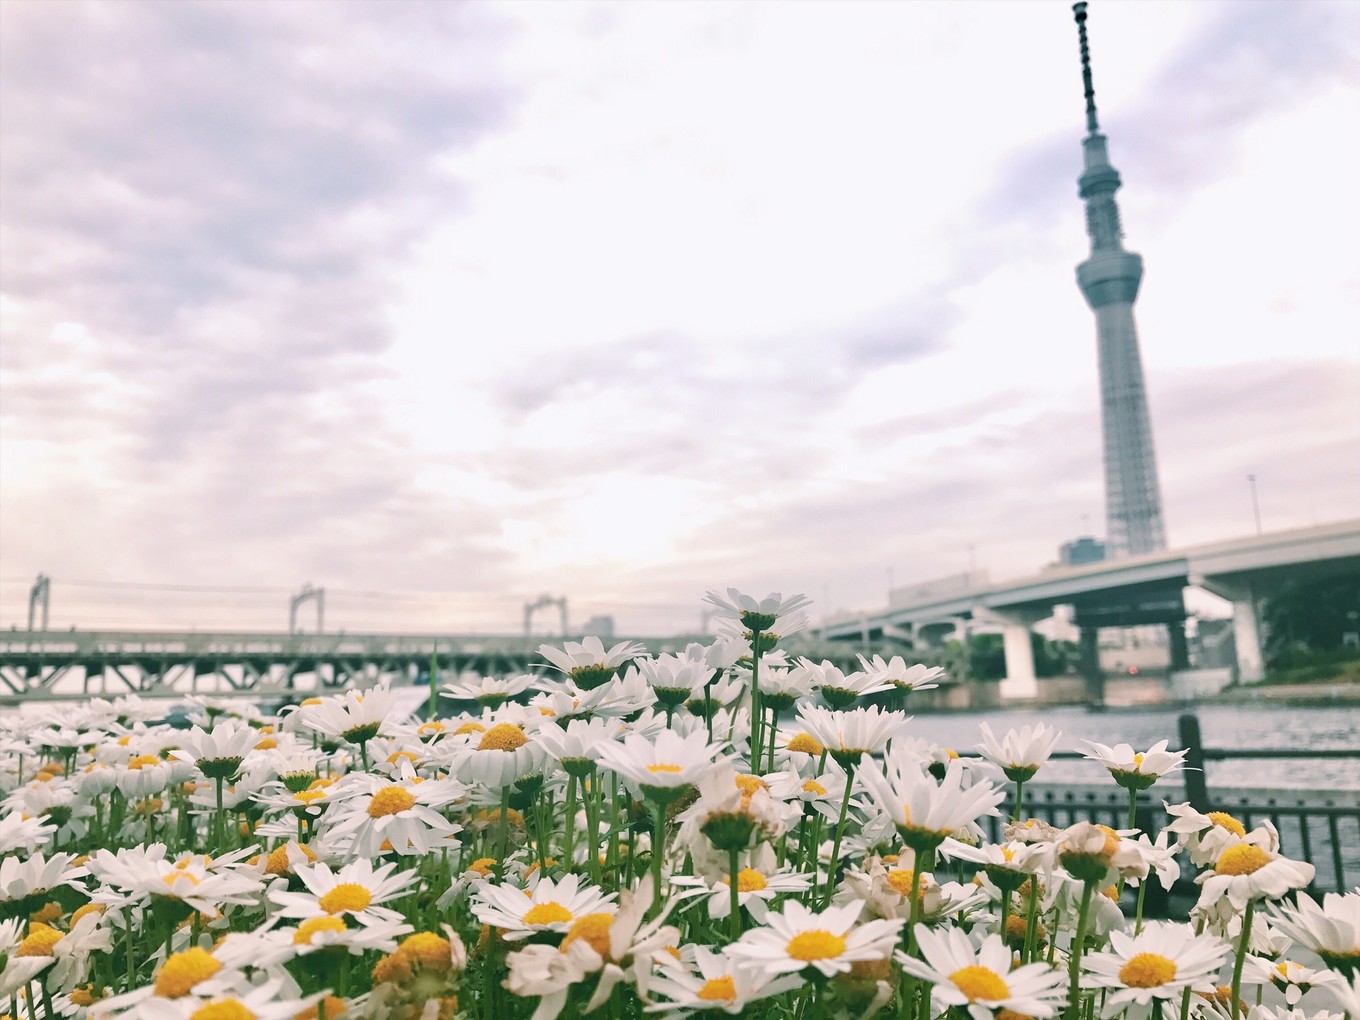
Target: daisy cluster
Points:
(725, 830)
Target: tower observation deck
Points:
(1109, 279)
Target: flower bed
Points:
(720, 831)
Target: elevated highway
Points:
(1133, 591)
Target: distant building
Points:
(601, 627)
(1080, 551)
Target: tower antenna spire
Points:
(1079, 12)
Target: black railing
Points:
(1320, 827)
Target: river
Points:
(1221, 726)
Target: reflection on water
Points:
(1221, 726)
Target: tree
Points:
(1312, 615)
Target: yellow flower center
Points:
(277, 863)
(748, 880)
(267, 744)
(87, 908)
(347, 896)
(396, 756)
(547, 913)
(1138, 760)
(222, 1009)
(140, 761)
(806, 743)
(502, 737)
(49, 912)
(1242, 860)
(182, 971)
(750, 784)
(664, 767)
(482, 865)
(433, 726)
(1147, 970)
(815, 945)
(313, 926)
(718, 989)
(812, 786)
(309, 796)
(1282, 968)
(980, 983)
(431, 950)
(309, 701)
(593, 929)
(390, 800)
(900, 879)
(85, 995)
(41, 940)
(1226, 821)
(471, 726)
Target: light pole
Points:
(1255, 503)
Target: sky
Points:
(442, 307)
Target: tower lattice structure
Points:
(1109, 280)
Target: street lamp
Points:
(1255, 503)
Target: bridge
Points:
(1133, 591)
(45, 665)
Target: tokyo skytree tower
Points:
(1109, 279)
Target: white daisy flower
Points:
(719, 984)
(30, 878)
(927, 812)
(403, 815)
(500, 756)
(896, 673)
(1135, 770)
(1294, 980)
(587, 663)
(1246, 871)
(1160, 962)
(218, 754)
(664, 766)
(355, 892)
(355, 717)
(1020, 753)
(1204, 835)
(577, 744)
(758, 614)
(1331, 930)
(22, 836)
(848, 736)
(755, 890)
(488, 691)
(550, 906)
(675, 679)
(981, 980)
(829, 941)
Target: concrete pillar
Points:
(1251, 667)
(1247, 635)
(1090, 666)
(1020, 682)
(1180, 650)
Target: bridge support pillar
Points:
(1180, 649)
(1021, 683)
(1090, 666)
(1251, 660)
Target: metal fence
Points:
(1319, 827)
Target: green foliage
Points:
(1307, 617)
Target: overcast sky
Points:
(441, 306)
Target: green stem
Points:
(1031, 920)
(1133, 809)
(569, 830)
(434, 687)
(1019, 799)
(1243, 944)
(1074, 955)
(840, 832)
(658, 846)
(1138, 915)
(505, 825)
(734, 921)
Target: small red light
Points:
(1133, 671)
